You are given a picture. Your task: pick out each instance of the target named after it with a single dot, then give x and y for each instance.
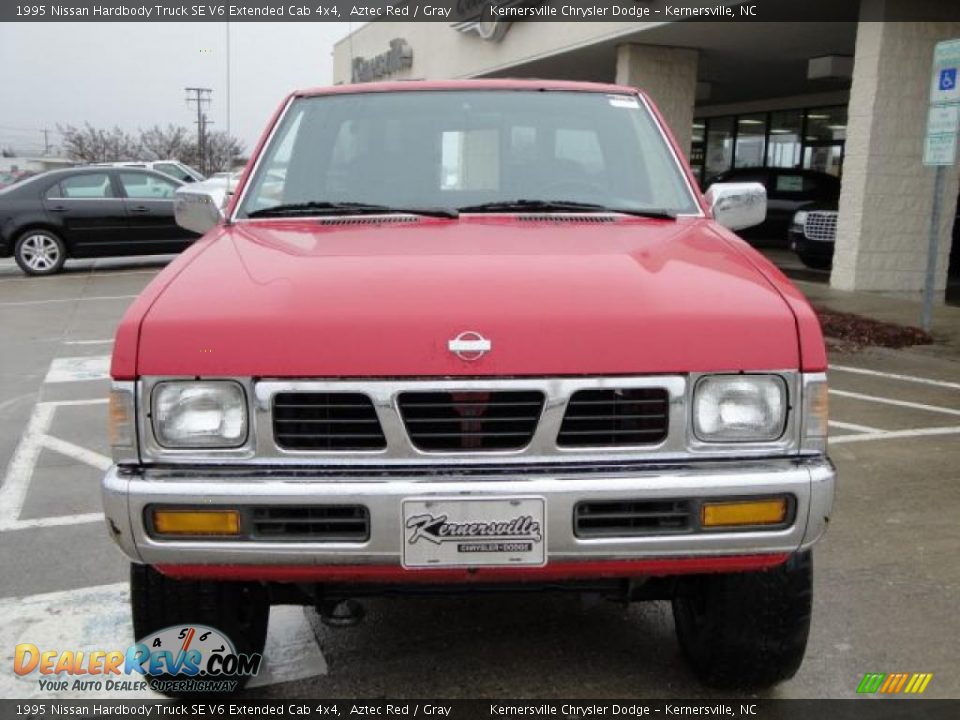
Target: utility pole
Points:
(46, 142)
(200, 96)
(203, 149)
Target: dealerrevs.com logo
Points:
(519, 533)
(180, 658)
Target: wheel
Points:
(816, 262)
(40, 252)
(239, 610)
(746, 630)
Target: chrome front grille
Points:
(821, 225)
(615, 417)
(470, 420)
(326, 421)
(373, 425)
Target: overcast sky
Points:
(134, 74)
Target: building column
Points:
(887, 192)
(669, 76)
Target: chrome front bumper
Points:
(126, 494)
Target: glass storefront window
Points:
(826, 124)
(824, 158)
(813, 139)
(751, 137)
(784, 147)
(719, 154)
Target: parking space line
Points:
(54, 521)
(13, 492)
(66, 300)
(854, 427)
(16, 482)
(71, 450)
(67, 403)
(893, 434)
(98, 618)
(896, 376)
(88, 342)
(898, 403)
(75, 369)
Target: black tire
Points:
(816, 262)
(238, 609)
(40, 252)
(746, 630)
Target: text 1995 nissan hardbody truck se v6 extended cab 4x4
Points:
(473, 335)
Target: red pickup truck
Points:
(473, 335)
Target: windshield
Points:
(464, 149)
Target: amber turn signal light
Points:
(196, 522)
(747, 512)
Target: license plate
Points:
(455, 532)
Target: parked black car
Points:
(88, 212)
(813, 236)
(788, 190)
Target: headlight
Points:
(739, 408)
(800, 219)
(210, 414)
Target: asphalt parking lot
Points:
(887, 574)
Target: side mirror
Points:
(738, 205)
(198, 209)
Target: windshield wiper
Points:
(525, 205)
(352, 208)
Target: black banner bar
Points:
(489, 11)
(220, 707)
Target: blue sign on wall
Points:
(948, 78)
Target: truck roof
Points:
(480, 84)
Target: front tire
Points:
(40, 252)
(240, 610)
(746, 630)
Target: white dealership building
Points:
(846, 97)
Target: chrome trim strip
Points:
(261, 449)
(811, 483)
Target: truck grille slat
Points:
(615, 417)
(473, 421)
(326, 421)
(617, 518)
(330, 421)
(583, 433)
(625, 416)
(330, 523)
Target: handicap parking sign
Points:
(948, 79)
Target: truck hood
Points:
(309, 298)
